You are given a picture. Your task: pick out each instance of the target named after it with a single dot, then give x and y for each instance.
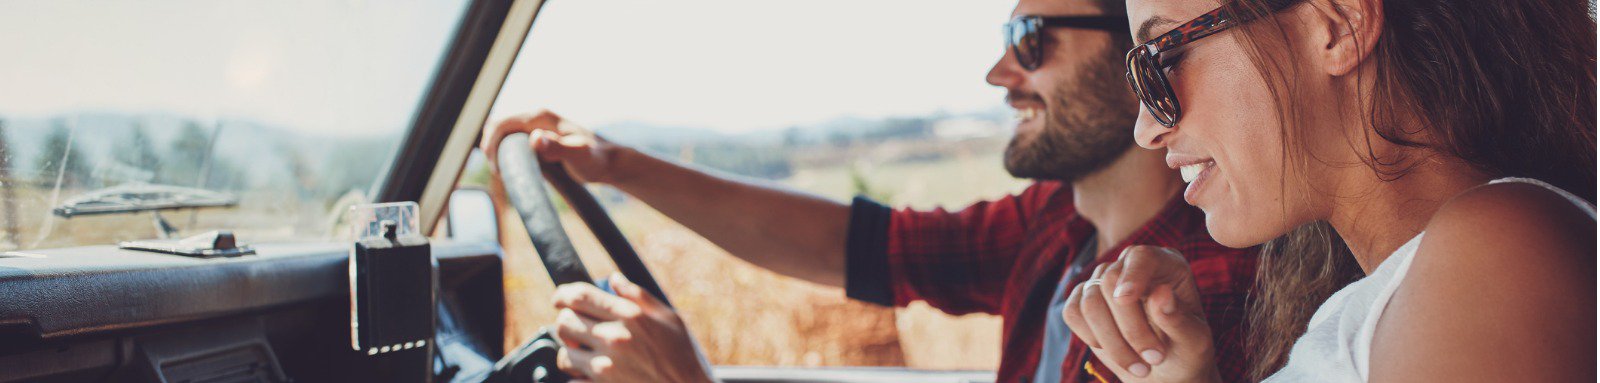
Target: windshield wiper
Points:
(140, 197)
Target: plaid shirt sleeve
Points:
(957, 261)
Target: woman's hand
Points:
(628, 337)
(1141, 315)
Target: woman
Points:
(1393, 123)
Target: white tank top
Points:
(1337, 345)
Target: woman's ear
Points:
(1351, 30)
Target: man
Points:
(1015, 256)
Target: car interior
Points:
(215, 308)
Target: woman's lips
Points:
(1191, 172)
(1194, 170)
(1196, 176)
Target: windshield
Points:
(836, 98)
(140, 120)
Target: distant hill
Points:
(254, 154)
(636, 133)
(646, 134)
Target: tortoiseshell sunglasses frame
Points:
(1144, 60)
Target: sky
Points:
(358, 67)
(338, 67)
(740, 65)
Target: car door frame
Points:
(453, 110)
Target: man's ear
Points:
(1349, 32)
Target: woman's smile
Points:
(1195, 170)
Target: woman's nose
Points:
(1149, 133)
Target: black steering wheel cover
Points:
(519, 170)
(524, 183)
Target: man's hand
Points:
(628, 337)
(1141, 315)
(586, 156)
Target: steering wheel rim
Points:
(522, 172)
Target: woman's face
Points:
(1228, 142)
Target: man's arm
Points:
(789, 232)
(792, 233)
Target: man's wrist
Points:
(619, 162)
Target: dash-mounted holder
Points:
(393, 280)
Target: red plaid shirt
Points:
(1007, 256)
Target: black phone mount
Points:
(393, 293)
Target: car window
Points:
(882, 98)
(274, 115)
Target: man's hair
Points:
(1121, 40)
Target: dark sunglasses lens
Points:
(1132, 62)
(1151, 87)
(1024, 42)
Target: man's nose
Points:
(1149, 133)
(1006, 73)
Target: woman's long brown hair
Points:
(1507, 87)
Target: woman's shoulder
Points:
(1507, 226)
(1502, 273)
(1508, 218)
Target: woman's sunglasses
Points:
(1024, 39)
(1147, 71)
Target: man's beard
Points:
(1086, 128)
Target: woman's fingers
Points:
(1072, 313)
(1131, 319)
(1139, 311)
(1183, 325)
(1103, 324)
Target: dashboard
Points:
(100, 313)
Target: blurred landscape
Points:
(290, 185)
(293, 186)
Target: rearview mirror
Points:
(470, 216)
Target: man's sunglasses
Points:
(1024, 39)
(1147, 71)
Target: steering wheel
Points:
(523, 175)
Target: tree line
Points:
(187, 160)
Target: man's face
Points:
(1074, 113)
